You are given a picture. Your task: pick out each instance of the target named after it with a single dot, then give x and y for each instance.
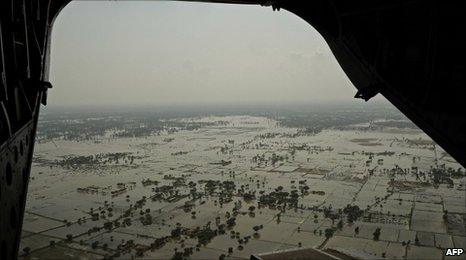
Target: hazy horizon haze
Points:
(168, 53)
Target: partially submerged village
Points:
(229, 186)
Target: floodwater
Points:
(200, 193)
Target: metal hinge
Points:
(274, 5)
(368, 92)
(41, 86)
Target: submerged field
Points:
(210, 187)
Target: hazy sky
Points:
(170, 52)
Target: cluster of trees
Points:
(278, 197)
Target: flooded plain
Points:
(226, 187)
